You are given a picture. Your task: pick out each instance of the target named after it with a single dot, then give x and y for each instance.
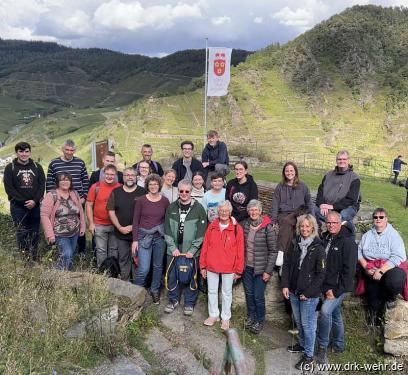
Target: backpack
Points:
(110, 266)
(185, 270)
(55, 195)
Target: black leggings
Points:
(386, 289)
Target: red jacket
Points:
(223, 252)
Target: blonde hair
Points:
(312, 221)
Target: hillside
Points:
(273, 113)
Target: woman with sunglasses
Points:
(381, 254)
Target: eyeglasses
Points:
(379, 217)
(184, 191)
(332, 222)
(187, 149)
(130, 175)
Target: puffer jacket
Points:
(265, 249)
(309, 278)
(341, 262)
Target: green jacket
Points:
(194, 228)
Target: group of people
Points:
(191, 223)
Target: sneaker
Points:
(170, 307)
(336, 350)
(210, 321)
(225, 324)
(155, 298)
(256, 328)
(188, 310)
(305, 363)
(321, 356)
(249, 322)
(295, 348)
(391, 304)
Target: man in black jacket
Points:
(98, 176)
(186, 166)
(24, 182)
(341, 260)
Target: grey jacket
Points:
(265, 249)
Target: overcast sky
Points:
(160, 27)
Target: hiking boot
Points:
(210, 321)
(321, 356)
(249, 322)
(170, 307)
(256, 328)
(295, 348)
(336, 350)
(155, 298)
(305, 363)
(225, 324)
(188, 310)
(391, 304)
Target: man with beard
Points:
(120, 208)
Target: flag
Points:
(219, 61)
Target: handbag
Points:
(184, 271)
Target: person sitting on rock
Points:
(381, 254)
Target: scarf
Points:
(304, 244)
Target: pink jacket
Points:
(48, 209)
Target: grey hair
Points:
(225, 204)
(129, 169)
(254, 203)
(185, 182)
(69, 143)
(343, 152)
(335, 214)
(311, 219)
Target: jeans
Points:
(227, 281)
(66, 248)
(106, 244)
(27, 223)
(305, 315)
(330, 319)
(125, 259)
(346, 215)
(394, 180)
(155, 253)
(254, 288)
(190, 296)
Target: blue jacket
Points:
(396, 165)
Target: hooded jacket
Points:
(239, 195)
(194, 227)
(309, 278)
(341, 261)
(265, 249)
(223, 251)
(340, 189)
(24, 182)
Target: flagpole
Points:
(205, 92)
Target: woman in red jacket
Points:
(222, 254)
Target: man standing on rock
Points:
(184, 229)
(339, 191)
(147, 153)
(396, 167)
(214, 157)
(24, 183)
(120, 206)
(341, 260)
(77, 169)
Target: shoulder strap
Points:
(54, 195)
(97, 188)
(155, 166)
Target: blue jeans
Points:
(254, 288)
(330, 319)
(27, 223)
(305, 315)
(346, 215)
(155, 253)
(66, 247)
(190, 296)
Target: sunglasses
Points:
(378, 217)
(184, 191)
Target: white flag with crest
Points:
(219, 62)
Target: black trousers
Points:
(386, 289)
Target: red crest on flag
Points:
(219, 64)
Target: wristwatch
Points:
(380, 272)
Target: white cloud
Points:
(217, 21)
(258, 20)
(78, 23)
(118, 14)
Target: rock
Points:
(157, 343)
(103, 323)
(138, 358)
(280, 362)
(396, 325)
(397, 347)
(120, 366)
(120, 288)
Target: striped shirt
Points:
(76, 167)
